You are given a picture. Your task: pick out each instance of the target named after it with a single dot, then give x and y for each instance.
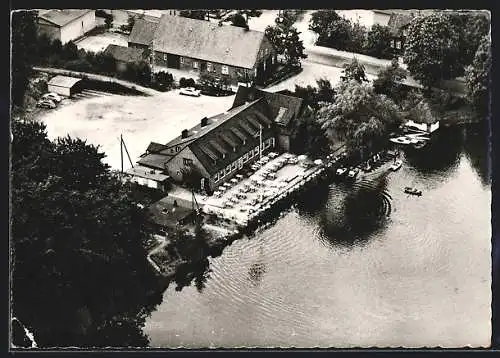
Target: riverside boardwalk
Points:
(246, 198)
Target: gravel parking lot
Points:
(101, 120)
(99, 42)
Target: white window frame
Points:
(195, 65)
(225, 70)
(181, 60)
(210, 67)
(265, 51)
(234, 165)
(250, 154)
(272, 60)
(255, 71)
(228, 169)
(165, 57)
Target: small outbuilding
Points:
(64, 85)
(124, 55)
(66, 24)
(151, 178)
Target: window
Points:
(250, 154)
(255, 72)
(272, 60)
(225, 70)
(221, 174)
(181, 59)
(177, 148)
(273, 143)
(265, 51)
(398, 45)
(209, 67)
(195, 64)
(228, 169)
(233, 166)
(256, 150)
(216, 177)
(187, 161)
(245, 157)
(164, 57)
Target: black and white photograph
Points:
(250, 178)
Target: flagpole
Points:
(260, 140)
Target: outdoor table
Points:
(222, 188)
(226, 184)
(239, 176)
(234, 180)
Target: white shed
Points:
(66, 24)
(65, 86)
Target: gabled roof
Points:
(147, 173)
(143, 32)
(64, 81)
(205, 40)
(399, 20)
(63, 17)
(125, 54)
(155, 147)
(283, 108)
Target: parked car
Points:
(54, 97)
(46, 103)
(190, 91)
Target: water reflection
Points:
(475, 145)
(357, 216)
(439, 156)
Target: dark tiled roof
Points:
(63, 17)
(155, 147)
(399, 20)
(143, 32)
(207, 41)
(154, 160)
(125, 54)
(283, 108)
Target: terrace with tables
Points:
(269, 179)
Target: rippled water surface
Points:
(361, 265)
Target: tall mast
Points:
(260, 141)
(121, 151)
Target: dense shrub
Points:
(163, 81)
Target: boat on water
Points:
(341, 171)
(353, 173)
(419, 145)
(396, 165)
(412, 191)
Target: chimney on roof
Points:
(204, 121)
(184, 133)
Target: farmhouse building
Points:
(230, 52)
(124, 55)
(218, 147)
(66, 25)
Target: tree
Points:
(416, 107)
(69, 51)
(478, 76)
(239, 20)
(109, 21)
(432, 50)
(24, 39)
(389, 80)
(287, 43)
(357, 38)
(326, 93)
(293, 47)
(138, 72)
(472, 26)
(359, 116)
(78, 242)
(378, 42)
(320, 23)
(308, 137)
(354, 71)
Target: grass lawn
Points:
(101, 120)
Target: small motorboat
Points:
(412, 191)
(396, 165)
(341, 171)
(419, 145)
(353, 173)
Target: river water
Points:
(332, 273)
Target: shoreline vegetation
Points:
(85, 259)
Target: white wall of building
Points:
(78, 27)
